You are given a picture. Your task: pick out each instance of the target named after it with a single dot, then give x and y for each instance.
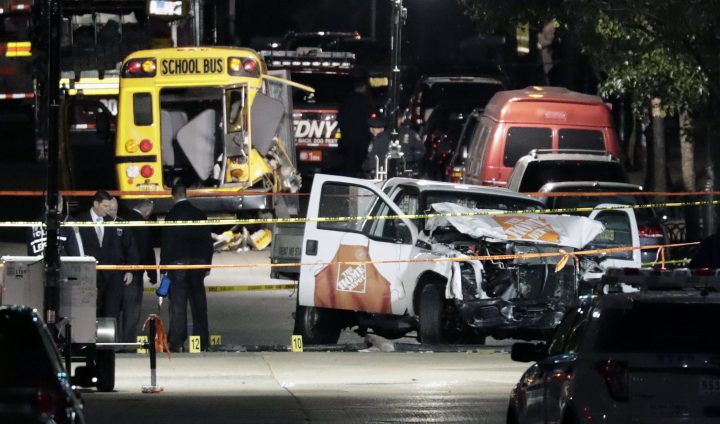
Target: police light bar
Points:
(308, 59)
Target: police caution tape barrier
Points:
(149, 194)
(215, 193)
(565, 256)
(353, 218)
(256, 287)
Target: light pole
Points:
(53, 17)
(399, 14)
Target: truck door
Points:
(621, 230)
(352, 264)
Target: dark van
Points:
(517, 121)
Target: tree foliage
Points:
(668, 49)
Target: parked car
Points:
(454, 166)
(411, 282)
(551, 118)
(646, 357)
(540, 167)
(650, 223)
(440, 134)
(34, 385)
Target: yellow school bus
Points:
(209, 117)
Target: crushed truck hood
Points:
(560, 230)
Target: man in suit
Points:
(186, 245)
(109, 246)
(133, 292)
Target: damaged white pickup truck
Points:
(396, 275)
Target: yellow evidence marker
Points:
(194, 344)
(296, 344)
(142, 339)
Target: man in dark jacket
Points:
(110, 246)
(133, 293)
(186, 245)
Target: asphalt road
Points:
(251, 378)
(362, 387)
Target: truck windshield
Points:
(479, 201)
(538, 174)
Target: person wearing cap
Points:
(410, 144)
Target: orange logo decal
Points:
(523, 227)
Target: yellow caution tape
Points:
(264, 287)
(561, 253)
(211, 222)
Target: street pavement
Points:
(251, 378)
(317, 387)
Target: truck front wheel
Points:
(317, 325)
(432, 301)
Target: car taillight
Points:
(616, 376)
(704, 272)
(147, 171)
(650, 231)
(44, 403)
(139, 68)
(456, 175)
(146, 145)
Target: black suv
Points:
(34, 386)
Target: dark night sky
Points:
(433, 29)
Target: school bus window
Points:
(142, 109)
(236, 110)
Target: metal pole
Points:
(153, 355)
(394, 152)
(52, 254)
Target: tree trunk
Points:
(687, 153)
(659, 164)
(687, 161)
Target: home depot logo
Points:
(526, 228)
(352, 278)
